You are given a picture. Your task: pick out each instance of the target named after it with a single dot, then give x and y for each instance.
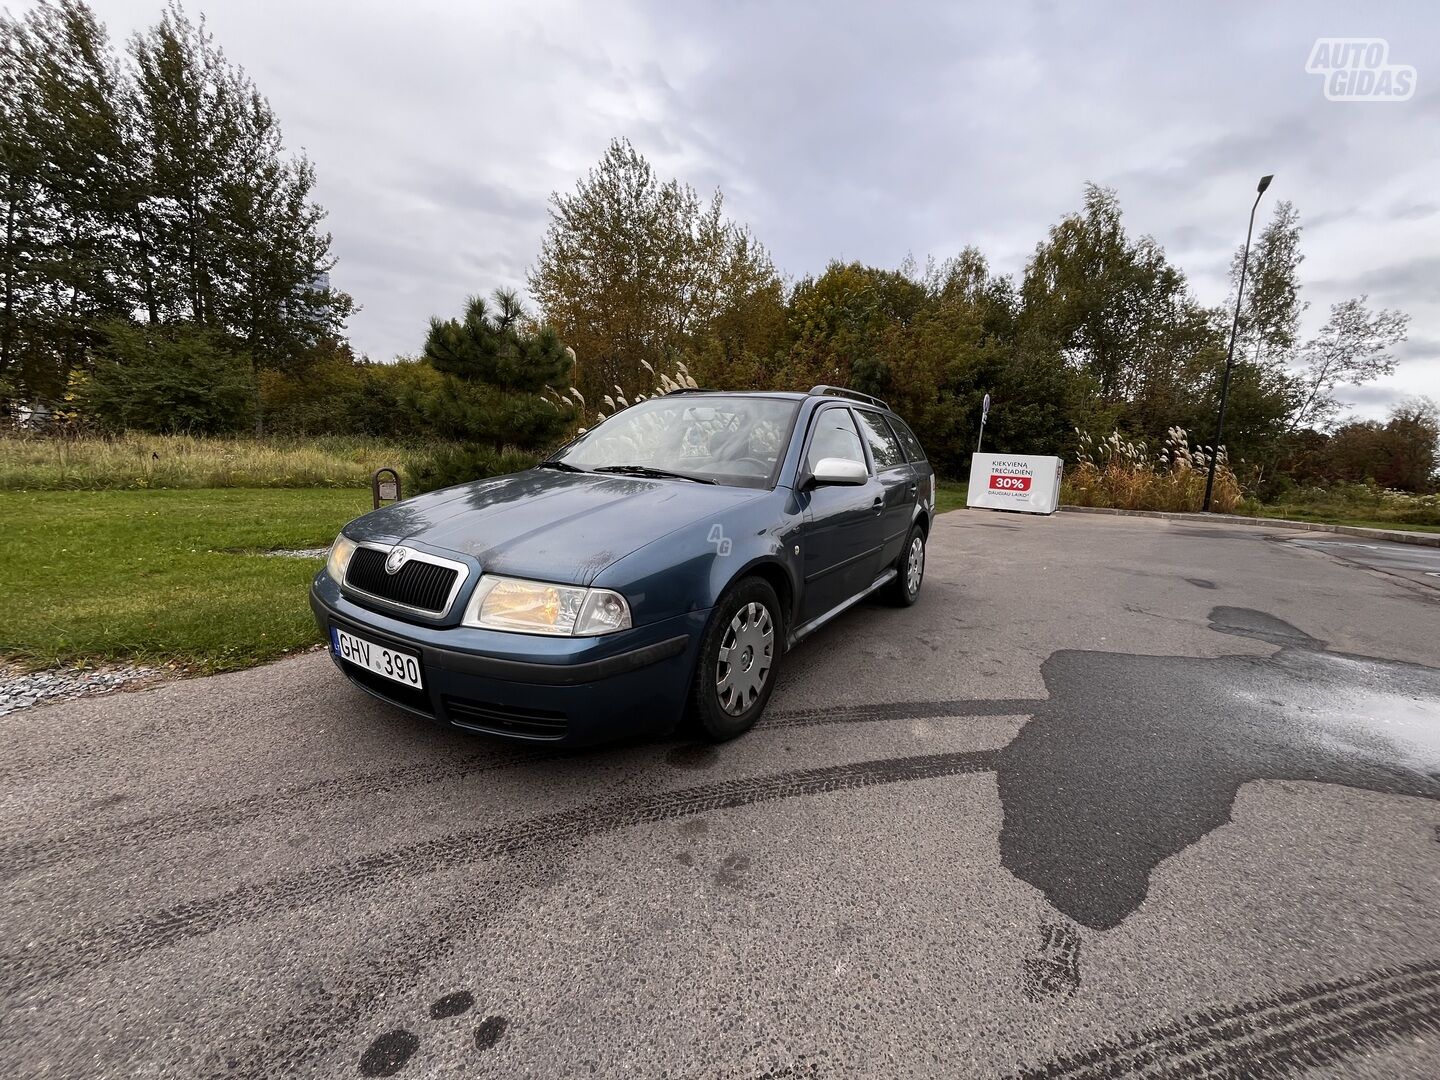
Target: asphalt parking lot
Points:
(1117, 797)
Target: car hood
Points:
(546, 524)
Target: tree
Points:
(1402, 453)
(1271, 309)
(170, 378)
(1353, 347)
(496, 366)
(230, 235)
(63, 140)
(1120, 314)
(152, 187)
(635, 269)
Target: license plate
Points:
(404, 668)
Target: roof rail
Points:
(845, 391)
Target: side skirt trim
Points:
(805, 630)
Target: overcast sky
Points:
(850, 131)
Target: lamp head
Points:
(1265, 183)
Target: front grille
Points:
(417, 584)
(505, 719)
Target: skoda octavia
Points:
(660, 564)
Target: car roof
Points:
(785, 395)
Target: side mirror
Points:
(836, 470)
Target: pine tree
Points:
(496, 366)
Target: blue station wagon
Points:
(661, 564)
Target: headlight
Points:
(533, 607)
(339, 561)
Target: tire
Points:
(905, 589)
(727, 697)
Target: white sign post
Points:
(1015, 482)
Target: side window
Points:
(884, 447)
(834, 436)
(913, 450)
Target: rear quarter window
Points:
(884, 447)
(913, 450)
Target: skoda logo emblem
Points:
(396, 559)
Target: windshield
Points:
(725, 440)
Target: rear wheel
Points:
(910, 570)
(739, 659)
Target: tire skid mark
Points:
(45, 960)
(105, 839)
(900, 710)
(1268, 1036)
(292, 1043)
(1255, 1053)
(1230, 1025)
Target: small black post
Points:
(1230, 352)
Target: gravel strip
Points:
(297, 553)
(21, 689)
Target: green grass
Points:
(950, 495)
(130, 461)
(1331, 515)
(162, 576)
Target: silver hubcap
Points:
(915, 565)
(746, 652)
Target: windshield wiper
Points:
(646, 470)
(556, 463)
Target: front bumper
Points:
(567, 691)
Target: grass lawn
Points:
(162, 576)
(950, 495)
(1331, 515)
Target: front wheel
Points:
(739, 659)
(910, 570)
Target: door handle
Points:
(879, 503)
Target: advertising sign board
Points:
(1015, 482)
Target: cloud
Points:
(1412, 280)
(1419, 349)
(841, 129)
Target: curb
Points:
(1396, 536)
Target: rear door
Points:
(898, 481)
(840, 546)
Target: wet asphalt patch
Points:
(1134, 758)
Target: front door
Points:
(843, 532)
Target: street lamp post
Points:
(1230, 353)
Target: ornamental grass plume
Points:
(1122, 473)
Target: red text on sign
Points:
(1009, 483)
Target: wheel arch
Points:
(775, 574)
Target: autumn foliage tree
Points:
(633, 268)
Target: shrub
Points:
(167, 379)
(450, 465)
(1119, 473)
(336, 396)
